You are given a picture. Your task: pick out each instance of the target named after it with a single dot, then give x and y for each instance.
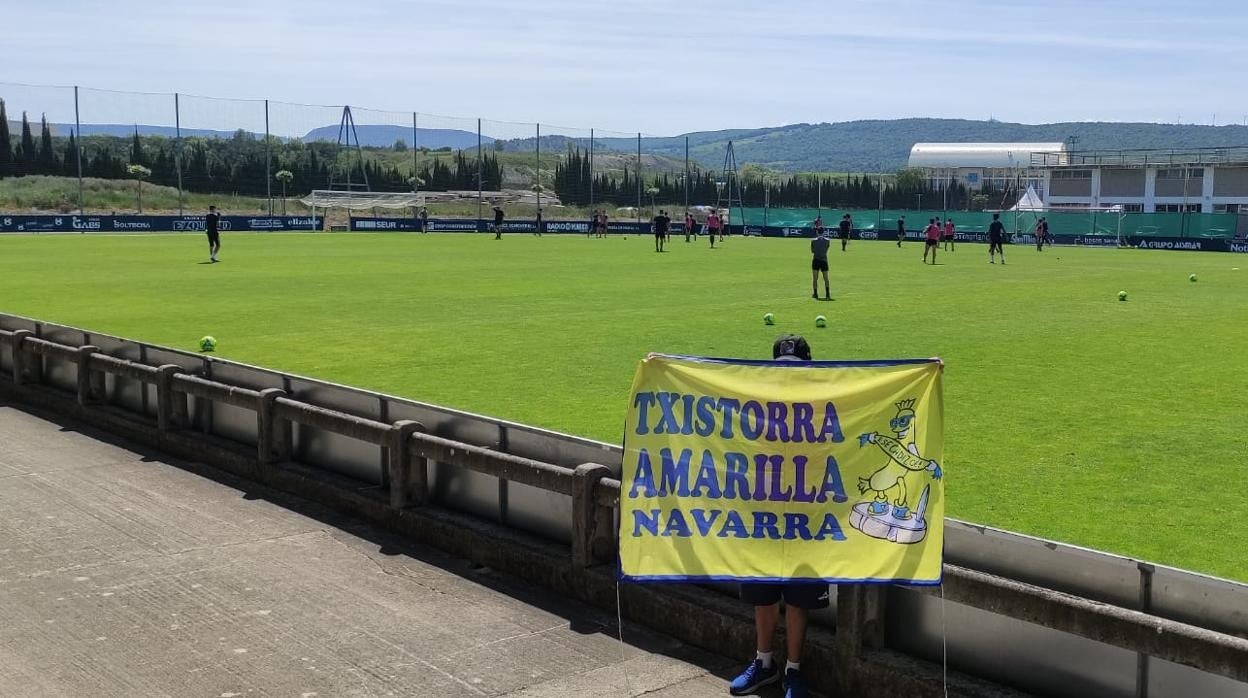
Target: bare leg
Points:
(827, 293)
(814, 283)
(766, 618)
(794, 631)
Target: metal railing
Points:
(1143, 157)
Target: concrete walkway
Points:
(122, 574)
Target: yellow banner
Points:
(773, 471)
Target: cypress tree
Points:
(136, 149)
(46, 161)
(69, 164)
(28, 148)
(6, 146)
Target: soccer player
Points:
(712, 226)
(819, 263)
(659, 224)
(819, 226)
(538, 230)
(996, 237)
(948, 235)
(212, 223)
(847, 224)
(424, 219)
(901, 230)
(1044, 228)
(593, 224)
(602, 223)
(498, 222)
(688, 225)
(800, 598)
(931, 236)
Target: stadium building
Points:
(979, 166)
(1197, 180)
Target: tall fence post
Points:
(586, 524)
(78, 137)
(85, 383)
(177, 148)
(268, 159)
(409, 477)
(538, 185)
(639, 177)
(686, 178)
(479, 183)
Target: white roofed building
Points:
(980, 165)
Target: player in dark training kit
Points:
(819, 263)
(212, 224)
(901, 230)
(847, 224)
(660, 224)
(498, 223)
(996, 236)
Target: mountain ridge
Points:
(865, 145)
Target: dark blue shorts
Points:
(811, 596)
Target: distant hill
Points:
(127, 130)
(850, 146)
(370, 135)
(385, 136)
(884, 145)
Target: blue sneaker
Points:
(795, 685)
(753, 678)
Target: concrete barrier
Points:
(1098, 633)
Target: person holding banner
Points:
(800, 598)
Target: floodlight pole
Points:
(78, 134)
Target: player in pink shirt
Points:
(932, 236)
(712, 227)
(948, 236)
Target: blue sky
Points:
(635, 65)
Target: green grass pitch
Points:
(1070, 415)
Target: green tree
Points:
(69, 164)
(284, 176)
(400, 146)
(139, 173)
(45, 162)
(28, 148)
(136, 149)
(6, 146)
